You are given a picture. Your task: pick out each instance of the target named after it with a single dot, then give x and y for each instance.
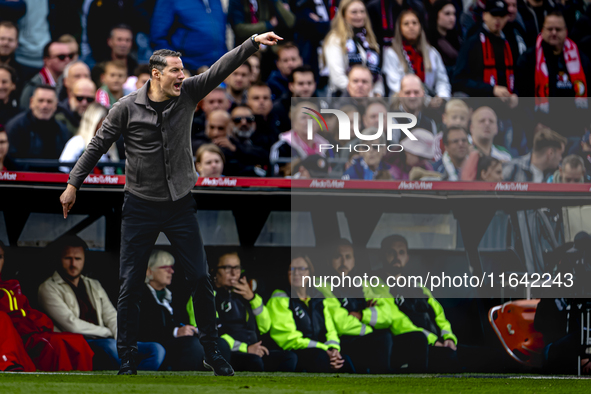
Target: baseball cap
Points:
(423, 146)
(496, 7)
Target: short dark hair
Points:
(555, 13)
(301, 69)
(67, 241)
(393, 238)
(158, 59)
(45, 87)
(247, 65)
(10, 25)
(121, 26)
(484, 163)
(259, 84)
(358, 67)
(242, 106)
(11, 71)
(284, 47)
(141, 69)
(46, 49)
(447, 130)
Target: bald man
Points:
(483, 129)
(73, 72)
(71, 109)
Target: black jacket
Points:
(157, 324)
(309, 319)
(8, 111)
(235, 317)
(533, 25)
(469, 72)
(31, 138)
(383, 33)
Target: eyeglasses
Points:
(82, 98)
(299, 269)
(239, 119)
(229, 268)
(63, 57)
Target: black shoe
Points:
(128, 366)
(214, 361)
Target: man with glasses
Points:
(70, 111)
(455, 140)
(236, 304)
(56, 56)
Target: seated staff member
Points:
(304, 324)
(362, 317)
(159, 323)
(236, 305)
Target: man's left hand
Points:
(268, 38)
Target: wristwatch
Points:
(256, 44)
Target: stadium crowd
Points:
(61, 62)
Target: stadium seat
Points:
(513, 322)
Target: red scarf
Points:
(47, 77)
(414, 60)
(575, 73)
(490, 64)
(253, 13)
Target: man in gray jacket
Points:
(155, 122)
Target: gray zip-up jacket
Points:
(159, 165)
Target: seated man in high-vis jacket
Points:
(362, 317)
(414, 309)
(301, 322)
(243, 318)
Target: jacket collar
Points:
(57, 278)
(142, 94)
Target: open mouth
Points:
(177, 85)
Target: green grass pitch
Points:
(278, 383)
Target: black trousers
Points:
(276, 361)
(317, 360)
(186, 354)
(369, 353)
(141, 222)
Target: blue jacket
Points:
(196, 28)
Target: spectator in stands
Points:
(160, 322)
(112, 79)
(79, 304)
(384, 14)
(72, 45)
(410, 53)
(481, 71)
(351, 41)
(5, 162)
(56, 56)
(71, 110)
(457, 114)
(35, 134)
(514, 30)
(533, 13)
(370, 164)
(443, 34)
(583, 149)
(33, 36)
(247, 135)
(541, 162)
(303, 324)
(417, 153)
(301, 83)
(8, 105)
(412, 100)
(295, 143)
(120, 43)
(142, 73)
(255, 67)
(217, 99)
(8, 45)
(258, 16)
(197, 29)
(74, 71)
(50, 351)
(489, 169)
(259, 101)
(236, 305)
(359, 82)
(483, 129)
(91, 120)
(455, 140)
(375, 112)
(554, 67)
(209, 161)
(237, 84)
(572, 170)
(288, 58)
(312, 25)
